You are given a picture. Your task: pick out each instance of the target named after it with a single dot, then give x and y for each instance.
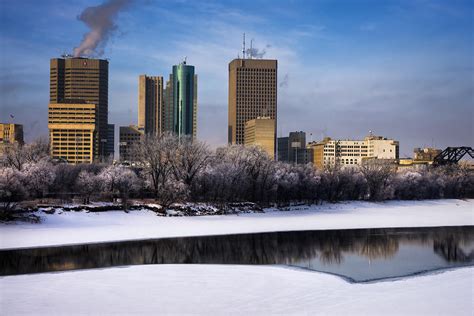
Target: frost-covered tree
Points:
(187, 158)
(173, 191)
(88, 184)
(38, 177)
(153, 155)
(16, 156)
(378, 174)
(120, 181)
(12, 190)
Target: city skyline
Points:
(401, 69)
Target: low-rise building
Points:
(329, 152)
(261, 132)
(293, 149)
(426, 154)
(130, 136)
(10, 134)
(73, 131)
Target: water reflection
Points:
(388, 252)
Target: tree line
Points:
(171, 169)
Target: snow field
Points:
(231, 290)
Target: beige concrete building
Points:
(261, 132)
(252, 94)
(10, 134)
(72, 132)
(329, 152)
(425, 155)
(129, 137)
(84, 79)
(150, 104)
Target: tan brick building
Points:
(73, 131)
(261, 132)
(83, 79)
(10, 134)
(150, 104)
(252, 94)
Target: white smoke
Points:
(255, 52)
(101, 21)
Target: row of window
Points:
(258, 70)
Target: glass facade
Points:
(184, 99)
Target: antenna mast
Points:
(251, 50)
(243, 48)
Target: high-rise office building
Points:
(10, 134)
(183, 87)
(252, 94)
(84, 79)
(73, 131)
(168, 105)
(261, 132)
(110, 148)
(150, 104)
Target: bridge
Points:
(452, 155)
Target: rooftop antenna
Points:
(251, 51)
(243, 48)
(184, 61)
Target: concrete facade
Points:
(150, 104)
(261, 132)
(293, 149)
(10, 134)
(129, 137)
(329, 152)
(83, 79)
(73, 132)
(252, 94)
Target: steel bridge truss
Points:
(452, 155)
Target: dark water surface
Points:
(357, 254)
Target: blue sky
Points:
(403, 69)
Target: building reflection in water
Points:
(328, 248)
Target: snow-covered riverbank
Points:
(82, 227)
(231, 289)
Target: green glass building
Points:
(184, 90)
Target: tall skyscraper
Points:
(150, 104)
(83, 79)
(184, 90)
(252, 94)
(111, 141)
(168, 105)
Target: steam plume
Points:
(255, 52)
(101, 21)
